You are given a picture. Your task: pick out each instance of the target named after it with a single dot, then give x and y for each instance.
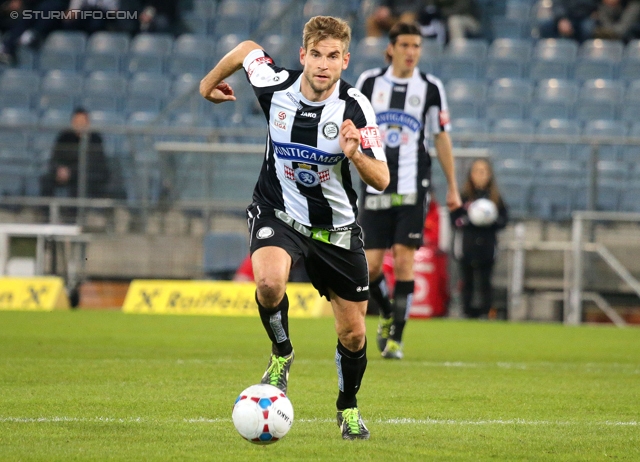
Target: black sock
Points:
(379, 291)
(351, 366)
(276, 323)
(402, 297)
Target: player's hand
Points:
(453, 199)
(349, 138)
(221, 93)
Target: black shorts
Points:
(342, 269)
(402, 224)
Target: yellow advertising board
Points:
(33, 294)
(218, 298)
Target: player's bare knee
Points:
(270, 291)
(352, 339)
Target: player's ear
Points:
(345, 60)
(303, 54)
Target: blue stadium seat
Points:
(106, 118)
(430, 51)
(60, 90)
(466, 98)
(104, 91)
(62, 50)
(631, 153)
(191, 54)
(599, 99)
(630, 65)
(370, 52)
(227, 43)
(629, 199)
(195, 24)
(508, 98)
(554, 99)
(510, 126)
(560, 128)
(14, 128)
(598, 59)
(507, 58)
(12, 181)
(234, 17)
(608, 131)
(463, 58)
(630, 106)
(511, 28)
(147, 92)
(148, 52)
(18, 88)
(469, 125)
(553, 59)
(106, 51)
(516, 194)
(551, 199)
(223, 253)
(51, 122)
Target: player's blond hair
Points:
(321, 28)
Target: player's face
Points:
(323, 64)
(405, 53)
(480, 174)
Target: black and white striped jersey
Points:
(408, 112)
(305, 173)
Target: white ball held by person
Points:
(482, 212)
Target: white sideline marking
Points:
(205, 420)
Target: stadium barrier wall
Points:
(215, 298)
(33, 294)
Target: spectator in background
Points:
(29, 31)
(9, 6)
(160, 16)
(462, 18)
(572, 19)
(618, 20)
(61, 178)
(389, 12)
(474, 245)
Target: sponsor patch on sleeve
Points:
(444, 118)
(370, 137)
(257, 62)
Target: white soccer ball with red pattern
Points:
(262, 414)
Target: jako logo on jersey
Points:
(398, 118)
(311, 115)
(302, 153)
(370, 137)
(362, 289)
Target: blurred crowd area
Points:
(549, 88)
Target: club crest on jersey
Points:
(330, 130)
(305, 176)
(370, 137)
(303, 153)
(414, 100)
(265, 233)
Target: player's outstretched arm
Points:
(212, 86)
(442, 143)
(374, 172)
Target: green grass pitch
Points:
(92, 385)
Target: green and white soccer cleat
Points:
(351, 425)
(384, 327)
(277, 373)
(393, 350)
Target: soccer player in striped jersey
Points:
(304, 204)
(410, 107)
